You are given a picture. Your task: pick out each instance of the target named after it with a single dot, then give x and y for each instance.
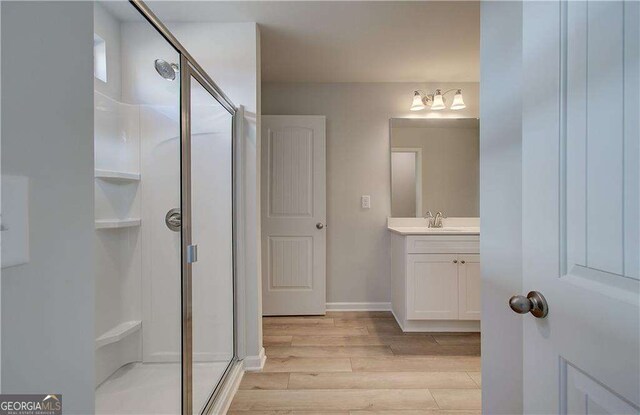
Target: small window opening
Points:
(99, 58)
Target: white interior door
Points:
(293, 215)
(580, 206)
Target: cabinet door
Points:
(432, 287)
(469, 287)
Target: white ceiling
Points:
(352, 41)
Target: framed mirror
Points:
(435, 166)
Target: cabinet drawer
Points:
(443, 244)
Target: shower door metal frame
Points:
(189, 68)
(187, 74)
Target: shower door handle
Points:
(192, 254)
(173, 219)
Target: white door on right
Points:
(581, 206)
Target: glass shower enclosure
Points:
(164, 219)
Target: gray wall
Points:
(358, 250)
(501, 204)
(47, 135)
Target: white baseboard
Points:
(255, 363)
(438, 326)
(228, 391)
(358, 306)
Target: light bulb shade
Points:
(417, 104)
(438, 102)
(458, 102)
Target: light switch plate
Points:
(365, 201)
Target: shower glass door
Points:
(212, 291)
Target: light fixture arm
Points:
(449, 90)
(427, 99)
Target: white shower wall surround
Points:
(138, 268)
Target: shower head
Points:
(167, 70)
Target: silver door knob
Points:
(319, 225)
(533, 303)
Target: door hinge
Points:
(192, 254)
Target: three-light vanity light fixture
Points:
(436, 100)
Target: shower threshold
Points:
(154, 388)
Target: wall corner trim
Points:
(358, 306)
(255, 363)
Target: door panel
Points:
(290, 187)
(212, 232)
(293, 197)
(580, 205)
(584, 395)
(432, 286)
(469, 287)
(289, 263)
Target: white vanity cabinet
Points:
(436, 281)
(432, 287)
(469, 287)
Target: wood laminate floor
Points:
(358, 363)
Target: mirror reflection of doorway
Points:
(406, 182)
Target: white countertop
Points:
(423, 230)
(419, 226)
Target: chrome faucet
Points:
(437, 220)
(429, 216)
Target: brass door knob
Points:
(319, 225)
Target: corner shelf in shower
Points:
(118, 333)
(117, 176)
(117, 223)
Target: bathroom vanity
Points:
(435, 274)
(435, 261)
